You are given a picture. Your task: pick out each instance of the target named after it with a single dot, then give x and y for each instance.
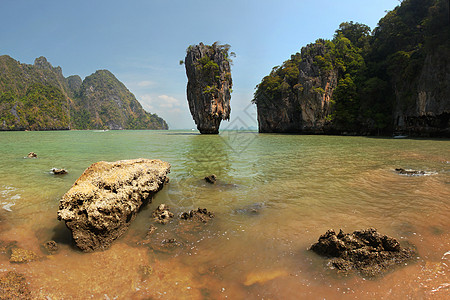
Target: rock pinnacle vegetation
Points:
(209, 85)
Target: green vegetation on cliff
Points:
(379, 73)
(38, 97)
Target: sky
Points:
(142, 41)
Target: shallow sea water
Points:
(301, 186)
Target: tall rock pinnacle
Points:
(209, 85)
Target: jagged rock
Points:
(59, 171)
(211, 179)
(200, 214)
(13, 285)
(366, 251)
(32, 155)
(103, 202)
(50, 247)
(162, 214)
(410, 172)
(209, 85)
(19, 255)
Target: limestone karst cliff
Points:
(394, 79)
(297, 96)
(209, 85)
(39, 97)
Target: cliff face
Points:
(300, 98)
(424, 109)
(104, 102)
(394, 79)
(209, 85)
(38, 97)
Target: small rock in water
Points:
(32, 155)
(410, 172)
(50, 247)
(200, 214)
(59, 171)
(211, 178)
(162, 214)
(148, 236)
(13, 285)
(366, 251)
(252, 209)
(19, 255)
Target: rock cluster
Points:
(366, 251)
(13, 285)
(209, 85)
(200, 214)
(103, 202)
(162, 214)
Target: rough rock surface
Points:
(162, 214)
(50, 247)
(56, 171)
(106, 198)
(19, 255)
(200, 214)
(32, 155)
(366, 251)
(209, 85)
(305, 108)
(211, 178)
(13, 285)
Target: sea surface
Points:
(275, 195)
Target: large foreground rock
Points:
(366, 251)
(103, 202)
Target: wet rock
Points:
(366, 251)
(162, 214)
(252, 209)
(166, 245)
(13, 286)
(6, 246)
(200, 214)
(209, 85)
(211, 179)
(19, 255)
(103, 202)
(50, 247)
(145, 271)
(410, 172)
(32, 155)
(59, 171)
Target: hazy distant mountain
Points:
(39, 97)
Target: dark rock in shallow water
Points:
(13, 285)
(200, 214)
(103, 202)
(32, 155)
(50, 247)
(211, 179)
(410, 172)
(366, 251)
(252, 209)
(162, 214)
(59, 171)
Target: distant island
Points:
(39, 97)
(394, 79)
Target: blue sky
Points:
(142, 41)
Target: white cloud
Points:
(145, 83)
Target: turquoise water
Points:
(301, 186)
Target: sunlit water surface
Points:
(301, 185)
